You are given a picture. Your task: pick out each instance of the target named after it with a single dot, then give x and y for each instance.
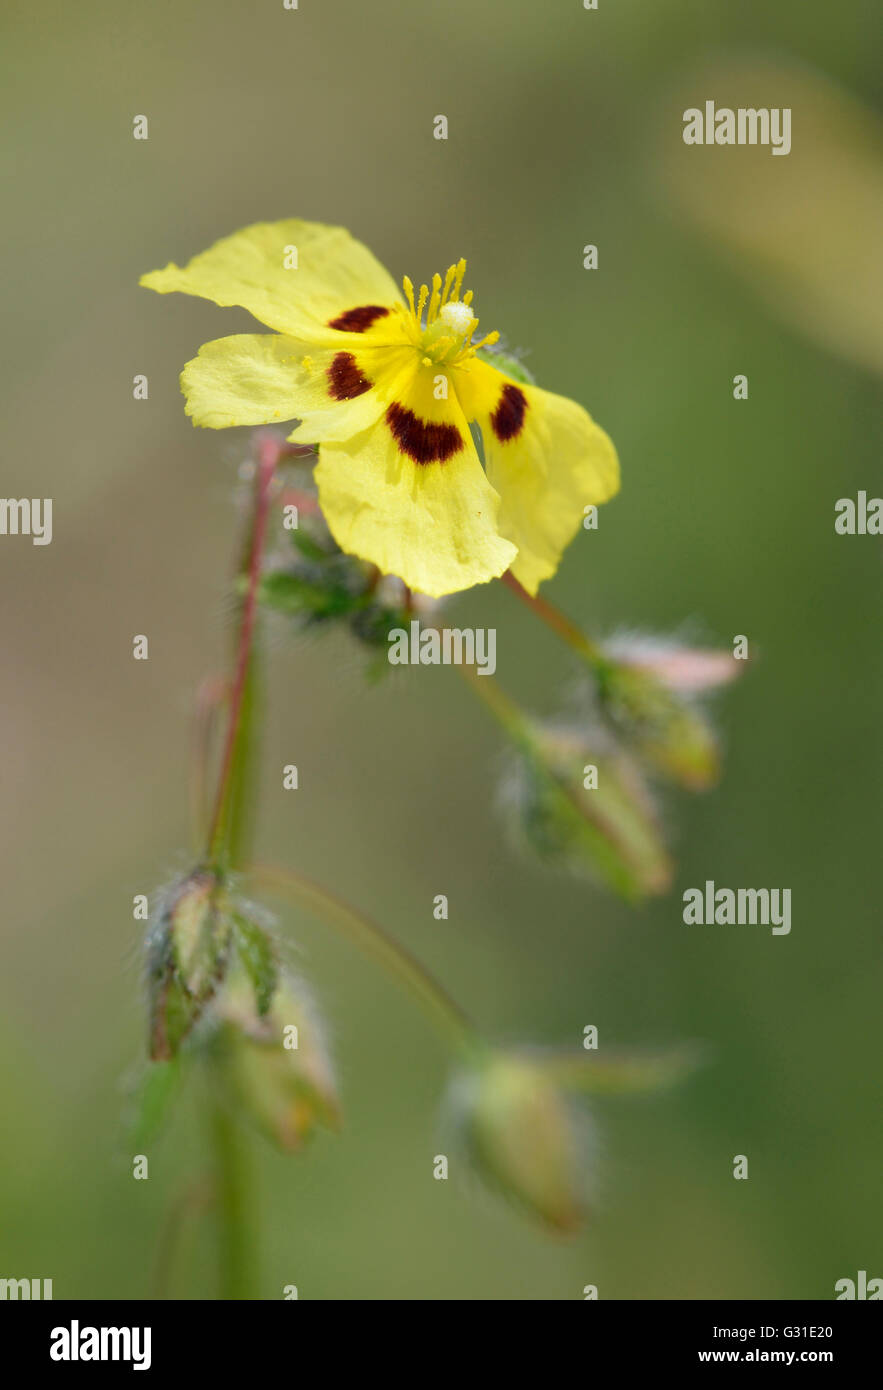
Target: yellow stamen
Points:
(444, 336)
(449, 280)
(435, 301)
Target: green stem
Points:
(371, 938)
(237, 1256)
(210, 697)
(494, 697)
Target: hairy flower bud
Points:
(276, 1066)
(520, 1126)
(647, 705)
(187, 952)
(522, 1137)
(581, 804)
(687, 670)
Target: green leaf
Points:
(319, 596)
(311, 548)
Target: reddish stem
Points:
(269, 451)
(554, 619)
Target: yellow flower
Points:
(387, 387)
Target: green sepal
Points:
(152, 1099)
(511, 366)
(258, 956)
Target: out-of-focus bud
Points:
(581, 804)
(685, 670)
(276, 1067)
(662, 725)
(187, 952)
(523, 1138)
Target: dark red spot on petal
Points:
(507, 420)
(424, 441)
(358, 320)
(346, 380)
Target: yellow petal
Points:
(432, 522)
(547, 459)
(329, 276)
(259, 378)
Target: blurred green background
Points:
(565, 129)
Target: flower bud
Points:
(187, 953)
(581, 804)
(522, 1138)
(277, 1066)
(686, 670)
(661, 725)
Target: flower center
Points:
(445, 332)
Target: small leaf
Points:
(310, 547)
(316, 598)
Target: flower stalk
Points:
(236, 1226)
(450, 1019)
(226, 838)
(226, 834)
(560, 624)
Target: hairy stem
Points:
(227, 834)
(377, 943)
